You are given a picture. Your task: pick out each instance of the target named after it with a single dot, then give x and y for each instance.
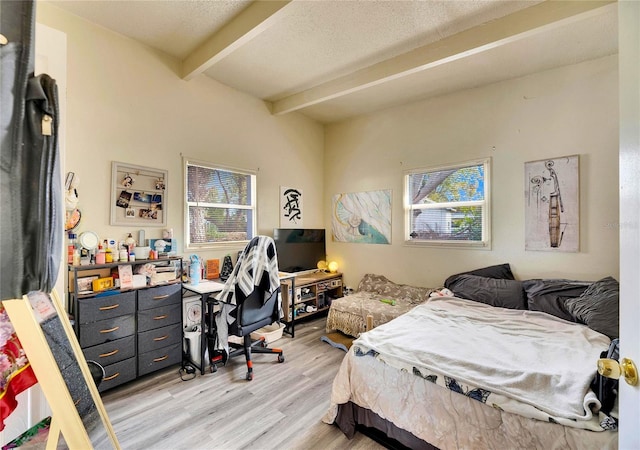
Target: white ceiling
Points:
(333, 59)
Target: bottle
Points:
(71, 248)
(132, 256)
(100, 256)
(76, 257)
(124, 255)
(108, 254)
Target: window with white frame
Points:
(220, 205)
(448, 205)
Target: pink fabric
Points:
(16, 374)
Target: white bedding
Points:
(388, 386)
(530, 363)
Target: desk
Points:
(204, 289)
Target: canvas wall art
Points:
(290, 207)
(552, 197)
(362, 217)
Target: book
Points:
(125, 274)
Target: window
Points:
(448, 206)
(220, 205)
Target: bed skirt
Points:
(351, 416)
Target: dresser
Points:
(130, 333)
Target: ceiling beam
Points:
(252, 21)
(495, 33)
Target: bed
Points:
(458, 373)
(377, 297)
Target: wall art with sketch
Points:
(552, 200)
(291, 207)
(362, 217)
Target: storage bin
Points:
(270, 333)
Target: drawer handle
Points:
(160, 297)
(107, 308)
(104, 355)
(115, 375)
(111, 330)
(164, 316)
(162, 358)
(161, 338)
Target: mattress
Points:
(478, 411)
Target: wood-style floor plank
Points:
(281, 408)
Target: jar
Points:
(100, 256)
(124, 255)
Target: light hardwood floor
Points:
(280, 409)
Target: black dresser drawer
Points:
(150, 319)
(101, 308)
(111, 352)
(160, 337)
(157, 359)
(118, 373)
(159, 296)
(107, 330)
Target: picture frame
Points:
(552, 208)
(138, 195)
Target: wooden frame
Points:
(138, 195)
(66, 398)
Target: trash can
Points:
(192, 343)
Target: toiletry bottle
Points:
(108, 254)
(100, 256)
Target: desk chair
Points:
(250, 300)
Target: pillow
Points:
(500, 271)
(379, 284)
(598, 307)
(492, 291)
(550, 295)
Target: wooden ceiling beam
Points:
(252, 21)
(495, 33)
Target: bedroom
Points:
(208, 121)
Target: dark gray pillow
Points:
(492, 291)
(598, 307)
(500, 271)
(550, 295)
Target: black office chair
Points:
(258, 308)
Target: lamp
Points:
(333, 267)
(322, 265)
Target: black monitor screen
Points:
(299, 249)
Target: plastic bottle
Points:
(100, 256)
(124, 255)
(71, 247)
(108, 254)
(76, 257)
(132, 256)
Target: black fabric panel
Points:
(17, 24)
(31, 230)
(351, 416)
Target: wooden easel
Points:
(65, 417)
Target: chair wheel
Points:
(213, 368)
(281, 358)
(249, 376)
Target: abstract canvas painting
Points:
(362, 217)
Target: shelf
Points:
(71, 267)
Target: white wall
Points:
(566, 111)
(126, 103)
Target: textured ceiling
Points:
(335, 59)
